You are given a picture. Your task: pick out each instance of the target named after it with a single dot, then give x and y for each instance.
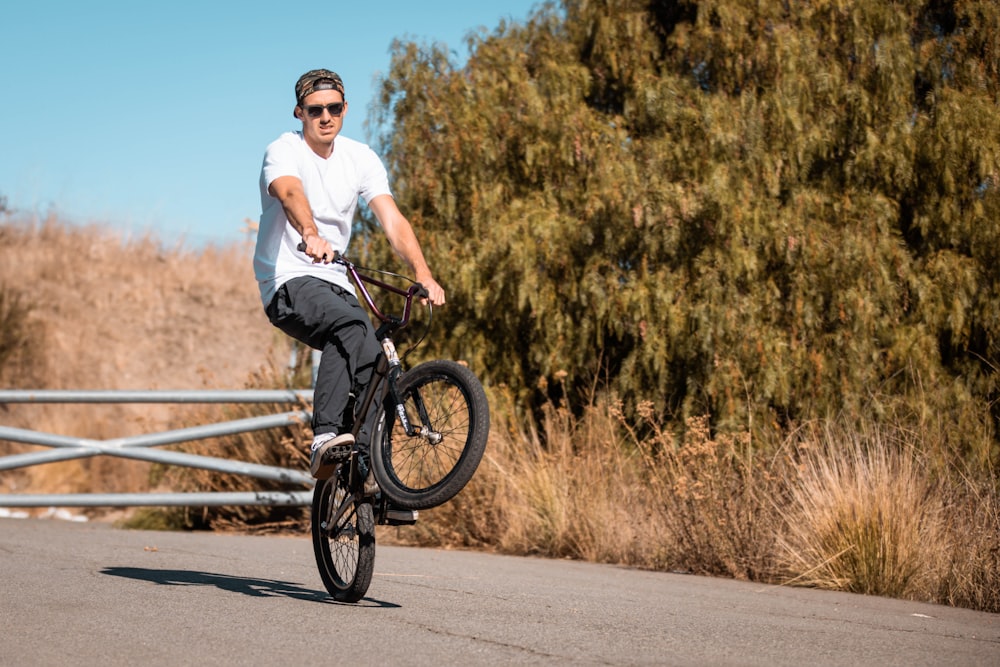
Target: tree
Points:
(776, 211)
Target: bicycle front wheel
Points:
(344, 546)
(449, 416)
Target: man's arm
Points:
(399, 231)
(288, 190)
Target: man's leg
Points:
(345, 367)
(327, 317)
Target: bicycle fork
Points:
(395, 368)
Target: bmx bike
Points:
(427, 442)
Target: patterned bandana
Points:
(317, 79)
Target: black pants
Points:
(327, 317)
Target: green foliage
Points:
(765, 212)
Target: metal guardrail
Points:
(65, 448)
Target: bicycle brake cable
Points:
(427, 329)
(430, 306)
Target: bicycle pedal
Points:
(339, 453)
(400, 517)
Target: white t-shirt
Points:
(332, 187)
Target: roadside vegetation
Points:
(859, 505)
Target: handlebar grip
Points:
(421, 292)
(301, 247)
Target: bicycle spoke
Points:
(442, 412)
(448, 414)
(345, 548)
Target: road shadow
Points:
(243, 585)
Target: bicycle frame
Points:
(360, 280)
(388, 370)
(389, 366)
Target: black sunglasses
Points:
(316, 110)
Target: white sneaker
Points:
(328, 451)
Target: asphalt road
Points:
(88, 594)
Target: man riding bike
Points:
(310, 184)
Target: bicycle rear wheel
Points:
(446, 405)
(344, 548)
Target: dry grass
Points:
(972, 575)
(833, 507)
(578, 496)
(113, 312)
(283, 447)
(715, 495)
(599, 491)
(16, 350)
(865, 516)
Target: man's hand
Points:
(317, 247)
(435, 293)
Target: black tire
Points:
(429, 469)
(345, 555)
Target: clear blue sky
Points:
(155, 115)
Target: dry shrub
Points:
(20, 360)
(836, 506)
(593, 488)
(19, 350)
(864, 516)
(858, 511)
(973, 531)
(714, 496)
(476, 517)
(578, 495)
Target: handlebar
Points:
(416, 290)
